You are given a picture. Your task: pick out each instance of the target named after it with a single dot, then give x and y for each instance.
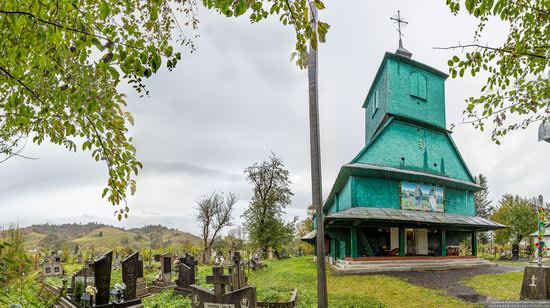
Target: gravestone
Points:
(256, 263)
(186, 275)
(141, 287)
(116, 264)
(85, 275)
(130, 269)
(237, 271)
(536, 283)
(164, 278)
(102, 275)
(203, 298)
(515, 252)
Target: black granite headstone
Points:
(515, 252)
(166, 264)
(186, 274)
(102, 275)
(130, 270)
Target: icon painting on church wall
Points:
(422, 197)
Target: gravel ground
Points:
(450, 281)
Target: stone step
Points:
(362, 267)
(411, 261)
(389, 265)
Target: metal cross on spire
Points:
(401, 23)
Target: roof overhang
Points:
(417, 218)
(361, 169)
(310, 237)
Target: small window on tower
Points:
(375, 102)
(417, 85)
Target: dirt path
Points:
(451, 281)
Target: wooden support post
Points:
(402, 241)
(333, 248)
(443, 243)
(474, 243)
(354, 252)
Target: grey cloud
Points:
(238, 97)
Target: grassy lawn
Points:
(506, 286)
(344, 291)
(276, 282)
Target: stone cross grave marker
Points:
(237, 272)
(102, 275)
(85, 275)
(203, 298)
(130, 269)
(536, 283)
(186, 274)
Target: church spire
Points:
(400, 21)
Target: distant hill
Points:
(101, 236)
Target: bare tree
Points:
(214, 213)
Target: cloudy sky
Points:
(238, 97)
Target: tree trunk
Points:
(206, 256)
(316, 183)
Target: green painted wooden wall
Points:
(395, 91)
(407, 146)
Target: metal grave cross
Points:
(399, 20)
(533, 278)
(219, 280)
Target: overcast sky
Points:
(238, 97)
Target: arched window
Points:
(417, 85)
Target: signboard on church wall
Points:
(422, 197)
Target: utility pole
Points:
(315, 149)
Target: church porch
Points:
(363, 239)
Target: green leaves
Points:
(61, 65)
(104, 10)
(517, 70)
(291, 13)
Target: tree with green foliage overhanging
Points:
(517, 91)
(263, 218)
(519, 215)
(63, 61)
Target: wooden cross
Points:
(399, 20)
(219, 280)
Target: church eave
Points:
(361, 169)
(369, 170)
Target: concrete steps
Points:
(364, 267)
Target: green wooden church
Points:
(408, 192)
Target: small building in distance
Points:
(52, 266)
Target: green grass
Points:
(506, 286)
(276, 282)
(280, 277)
